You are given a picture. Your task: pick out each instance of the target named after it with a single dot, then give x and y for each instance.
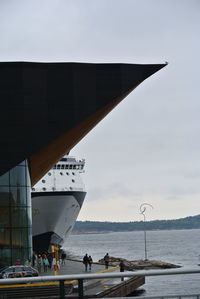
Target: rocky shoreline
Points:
(139, 264)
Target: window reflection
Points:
(5, 179)
(18, 196)
(15, 216)
(19, 217)
(4, 218)
(4, 196)
(18, 176)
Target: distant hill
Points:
(191, 222)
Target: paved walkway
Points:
(74, 267)
(94, 286)
(91, 287)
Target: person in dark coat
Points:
(50, 259)
(86, 261)
(90, 261)
(63, 258)
(106, 260)
(122, 268)
(34, 257)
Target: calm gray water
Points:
(180, 247)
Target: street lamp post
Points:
(142, 211)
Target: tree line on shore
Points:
(191, 222)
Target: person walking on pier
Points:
(50, 259)
(86, 261)
(45, 263)
(34, 258)
(122, 268)
(63, 258)
(106, 260)
(90, 261)
(39, 263)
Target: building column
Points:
(15, 216)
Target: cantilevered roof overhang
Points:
(47, 108)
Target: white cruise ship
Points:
(56, 201)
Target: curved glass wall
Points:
(15, 216)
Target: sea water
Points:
(180, 247)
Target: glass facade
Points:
(15, 216)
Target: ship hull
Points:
(54, 215)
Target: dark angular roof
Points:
(46, 108)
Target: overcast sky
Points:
(147, 149)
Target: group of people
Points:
(44, 261)
(87, 261)
(47, 261)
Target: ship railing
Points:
(80, 278)
(60, 189)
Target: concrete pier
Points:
(112, 287)
(73, 266)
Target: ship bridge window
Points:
(43, 181)
(63, 166)
(58, 166)
(66, 167)
(74, 166)
(70, 166)
(64, 159)
(54, 167)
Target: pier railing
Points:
(179, 296)
(86, 277)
